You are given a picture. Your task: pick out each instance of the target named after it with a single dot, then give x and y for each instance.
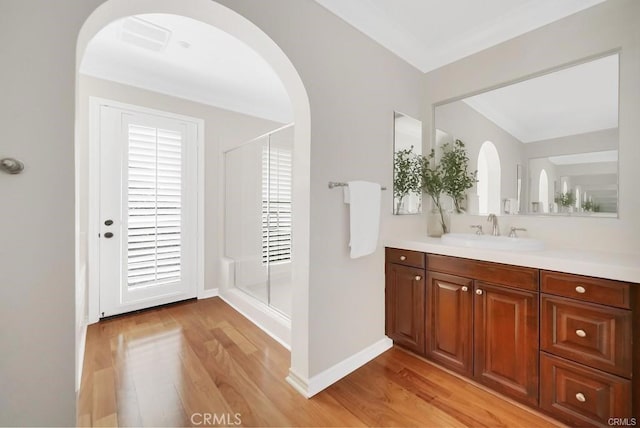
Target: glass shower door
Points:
(243, 218)
(258, 211)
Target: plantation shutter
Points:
(154, 206)
(276, 204)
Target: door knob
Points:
(108, 235)
(464, 288)
(108, 222)
(418, 278)
(479, 292)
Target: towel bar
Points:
(333, 184)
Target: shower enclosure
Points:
(258, 180)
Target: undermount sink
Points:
(492, 242)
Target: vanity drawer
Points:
(405, 257)
(494, 273)
(579, 394)
(596, 335)
(596, 290)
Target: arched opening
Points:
(229, 21)
(543, 191)
(489, 177)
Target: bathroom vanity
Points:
(547, 328)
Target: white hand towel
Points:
(364, 216)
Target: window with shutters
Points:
(276, 205)
(154, 206)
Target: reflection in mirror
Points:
(556, 138)
(407, 146)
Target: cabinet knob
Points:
(581, 333)
(403, 258)
(580, 397)
(580, 289)
(465, 288)
(479, 292)
(418, 278)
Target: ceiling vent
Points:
(144, 34)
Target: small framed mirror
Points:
(407, 147)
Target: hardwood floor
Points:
(201, 363)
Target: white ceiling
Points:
(433, 33)
(200, 63)
(206, 65)
(572, 101)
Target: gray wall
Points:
(606, 27)
(354, 86)
(37, 230)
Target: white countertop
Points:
(621, 267)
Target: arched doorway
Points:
(236, 25)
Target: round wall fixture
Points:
(11, 166)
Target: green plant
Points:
(566, 199)
(590, 206)
(406, 175)
(432, 182)
(456, 178)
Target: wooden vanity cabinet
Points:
(586, 349)
(506, 340)
(449, 327)
(482, 329)
(405, 299)
(566, 344)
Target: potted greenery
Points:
(456, 177)
(590, 206)
(406, 176)
(432, 184)
(451, 177)
(565, 200)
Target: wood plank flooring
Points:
(200, 363)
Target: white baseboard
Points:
(317, 383)
(271, 322)
(80, 356)
(208, 293)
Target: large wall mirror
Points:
(407, 146)
(543, 146)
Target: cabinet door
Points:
(405, 302)
(449, 321)
(506, 340)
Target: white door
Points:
(148, 215)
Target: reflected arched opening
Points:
(489, 176)
(543, 191)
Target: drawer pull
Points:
(479, 292)
(581, 333)
(580, 289)
(580, 397)
(403, 258)
(418, 278)
(465, 288)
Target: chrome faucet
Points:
(513, 234)
(478, 228)
(495, 231)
